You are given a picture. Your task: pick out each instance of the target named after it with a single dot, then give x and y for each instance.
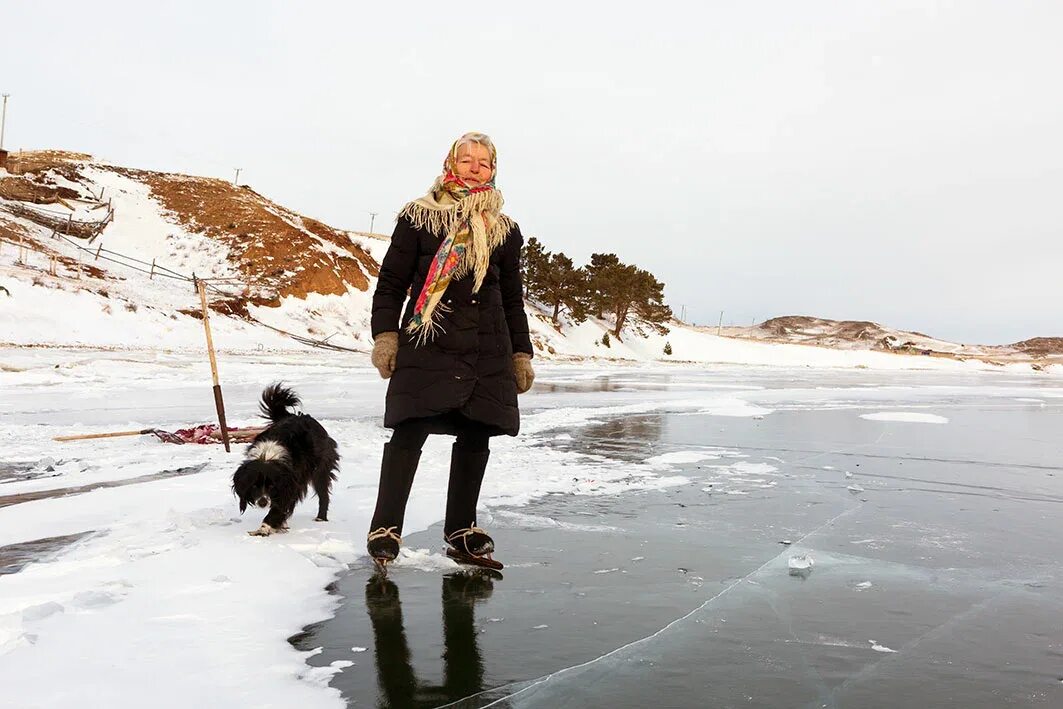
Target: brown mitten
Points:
(385, 347)
(522, 370)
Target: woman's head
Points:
(472, 159)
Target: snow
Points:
(172, 555)
(905, 417)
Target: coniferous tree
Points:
(562, 286)
(602, 273)
(605, 285)
(533, 258)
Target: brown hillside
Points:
(273, 247)
(1041, 346)
(270, 244)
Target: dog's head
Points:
(265, 476)
(253, 482)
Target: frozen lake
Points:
(647, 518)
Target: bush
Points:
(605, 340)
(668, 348)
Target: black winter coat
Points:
(467, 368)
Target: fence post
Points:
(151, 275)
(70, 223)
(219, 403)
(79, 264)
(98, 249)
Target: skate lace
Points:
(463, 535)
(382, 532)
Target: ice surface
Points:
(172, 555)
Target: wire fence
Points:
(62, 223)
(154, 268)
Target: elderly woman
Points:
(460, 352)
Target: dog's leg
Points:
(276, 521)
(322, 481)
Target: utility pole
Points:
(372, 220)
(236, 179)
(682, 313)
(3, 122)
(719, 326)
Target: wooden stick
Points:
(242, 435)
(219, 403)
(114, 434)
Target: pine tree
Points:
(563, 286)
(602, 273)
(533, 258)
(668, 348)
(649, 304)
(605, 340)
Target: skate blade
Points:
(380, 567)
(484, 562)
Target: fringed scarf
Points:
(471, 224)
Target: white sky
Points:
(892, 161)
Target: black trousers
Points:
(468, 462)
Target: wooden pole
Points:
(719, 326)
(219, 403)
(115, 434)
(151, 276)
(79, 264)
(98, 249)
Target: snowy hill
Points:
(864, 335)
(100, 255)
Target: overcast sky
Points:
(892, 161)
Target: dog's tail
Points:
(277, 399)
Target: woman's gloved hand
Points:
(385, 347)
(522, 370)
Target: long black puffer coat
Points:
(467, 368)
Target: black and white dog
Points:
(294, 452)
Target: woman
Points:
(460, 353)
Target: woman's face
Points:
(473, 164)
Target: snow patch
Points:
(905, 417)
